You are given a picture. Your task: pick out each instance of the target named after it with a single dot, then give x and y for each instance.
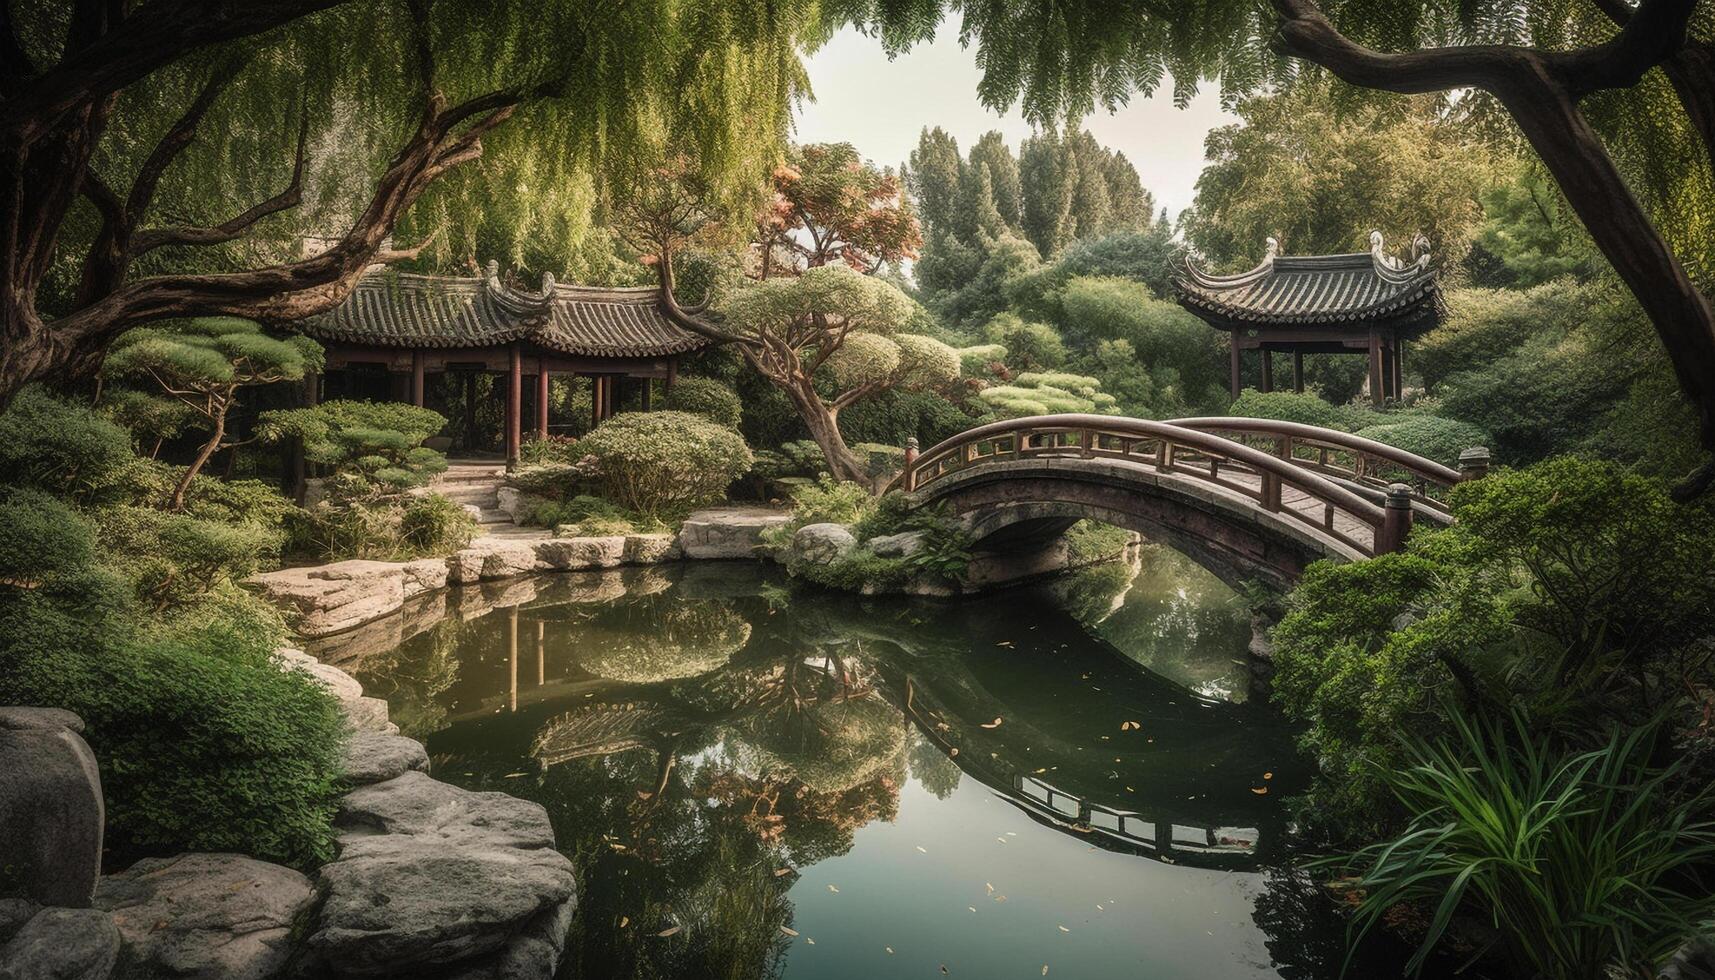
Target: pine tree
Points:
(990, 150)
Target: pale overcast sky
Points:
(881, 106)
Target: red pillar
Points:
(541, 398)
(1376, 392)
(1235, 364)
(514, 405)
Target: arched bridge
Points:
(1247, 497)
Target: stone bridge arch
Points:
(1246, 498)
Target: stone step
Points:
(491, 515)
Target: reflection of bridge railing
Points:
(1325, 467)
(1159, 837)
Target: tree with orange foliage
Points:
(829, 205)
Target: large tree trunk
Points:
(825, 430)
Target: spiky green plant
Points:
(1582, 861)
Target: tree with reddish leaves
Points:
(830, 205)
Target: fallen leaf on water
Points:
(833, 889)
(782, 871)
(1040, 771)
(992, 724)
(1001, 839)
(889, 950)
(990, 887)
(1044, 969)
(923, 849)
(952, 752)
(973, 908)
(1268, 775)
(624, 921)
(667, 932)
(943, 968)
(1260, 790)
(810, 941)
(644, 794)
(1004, 643)
(1000, 898)
(512, 775)
(1011, 834)
(789, 932)
(1064, 929)
(1099, 907)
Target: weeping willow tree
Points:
(251, 158)
(1616, 99)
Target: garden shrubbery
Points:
(706, 397)
(664, 464)
(132, 617)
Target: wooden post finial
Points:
(1396, 520)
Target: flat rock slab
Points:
(206, 916)
(418, 805)
(648, 549)
(62, 944)
(329, 598)
(366, 714)
(572, 554)
(728, 532)
(373, 757)
(396, 904)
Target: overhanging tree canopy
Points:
(168, 158)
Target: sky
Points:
(880, 107)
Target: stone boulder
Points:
(329, 598)
(51, 809)
(337, 682)
(399, 905)
(822, 544)
(62, 944)
(415, 804)
(728, 532)
(366, 714)
(505, 561)
(534, 952)
(465, 567)
(901, 545)
(206, 916)
(649, 549)
(372, 757)
(424, 575)
(572, 554)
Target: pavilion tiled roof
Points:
(398, 309)
(1360, 289)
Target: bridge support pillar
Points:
(1396, 520)
(1473, 463)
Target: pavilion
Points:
(1321, 304)
(396, 329)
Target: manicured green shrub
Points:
(391, 529)
(1429, 436)
(662, 464)
(550, 481)
(1288, 406)
(63, 448)
(375, 447)
(830, 501)
(591, 516)
(706, 397)
(1588, 863)
(1029, 346)
(1047, 393)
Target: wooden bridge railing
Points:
(1201, 449)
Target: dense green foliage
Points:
(663, 464)
(706, 397)
(1583, 862)
(132, 618)
(1572, 587)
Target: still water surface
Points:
(759, 781)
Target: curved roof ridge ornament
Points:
(518, 301)
(1263, 268)
(1395, 270)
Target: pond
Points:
(756, 780)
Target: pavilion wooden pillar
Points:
(672, 374)
(1267, 369)
(1235, 364)
(1298, 371)
(1376, 393)
(417, 378)
(541, 398)
(300, 468)
(643, 396)
(514, 404)
(1398, 366)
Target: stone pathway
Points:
(476, 483)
